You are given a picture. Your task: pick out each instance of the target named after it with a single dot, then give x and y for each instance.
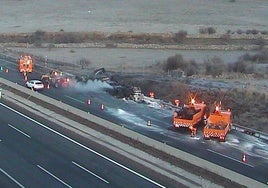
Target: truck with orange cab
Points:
(25, 64)
(218, 124)
(189, 116)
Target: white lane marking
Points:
(75, 99)
(10, 177)
(231, 158)
(54, 176)
(90, 172)
(83, 146)
(9, 61)
(19, 130)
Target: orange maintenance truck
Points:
(189, 115)
(25, 64)
(218, 124)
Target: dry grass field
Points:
(132, 15)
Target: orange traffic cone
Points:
(244, 158)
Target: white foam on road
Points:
(91, 85)
(129, 117)
(249, 144)
(133, 119)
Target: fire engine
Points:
(56, 79)
(218, 124)
(25, 64)
(189, 116)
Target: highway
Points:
(35, 155)
(135, 116)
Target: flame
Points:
(192, 101)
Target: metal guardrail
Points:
(250, 131)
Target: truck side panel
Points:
(218, 125)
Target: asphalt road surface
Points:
(35, 155)
(135, 116)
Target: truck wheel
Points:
(222, 140)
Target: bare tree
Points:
(84, 63)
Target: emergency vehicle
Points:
(189, 116)
(218, 124)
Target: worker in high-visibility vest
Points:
(177, 102)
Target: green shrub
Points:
(215, 66)
(173, 63)
(180, 36)
(191, 68)
(239, 66)
(207, 30)
(239, 31)
(260, 57)
(38, 38)
(211, 30)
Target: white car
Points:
(35, 84)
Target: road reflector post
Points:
(102, 107)
(0, 93)
(1, 68)
(149, 123)
(88, 102)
